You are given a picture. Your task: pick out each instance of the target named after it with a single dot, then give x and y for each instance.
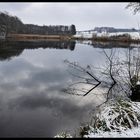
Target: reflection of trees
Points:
(46, 44)
(7, 51)
(15, 48)
(110, 45)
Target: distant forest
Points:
(12, 24)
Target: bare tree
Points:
(89, 79)
(134, 6)
(119, 77)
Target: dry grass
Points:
(36, 37)
(123, 39)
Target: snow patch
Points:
(117, 119)
(134, 35)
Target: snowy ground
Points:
(134, 35)
(115, 119)
(133, 133)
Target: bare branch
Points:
(134, 6)
(92, 89)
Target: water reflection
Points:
(110, 45)
(14, 48)
(31, 101)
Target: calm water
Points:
(33, 75)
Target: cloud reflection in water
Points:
(31, 100)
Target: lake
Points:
(33, 76)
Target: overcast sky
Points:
(83, 15)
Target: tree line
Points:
(13, 24)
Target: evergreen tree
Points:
(73, 29)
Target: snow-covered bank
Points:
(134, 35)
(133, 133)
(116, 119)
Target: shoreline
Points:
(28, 37)
(36, 37)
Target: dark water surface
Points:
(32, 75)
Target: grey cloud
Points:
(14, 6)
(42, 115)
(21, 76)
(27, 124)
(83, 15)
(56, 103)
